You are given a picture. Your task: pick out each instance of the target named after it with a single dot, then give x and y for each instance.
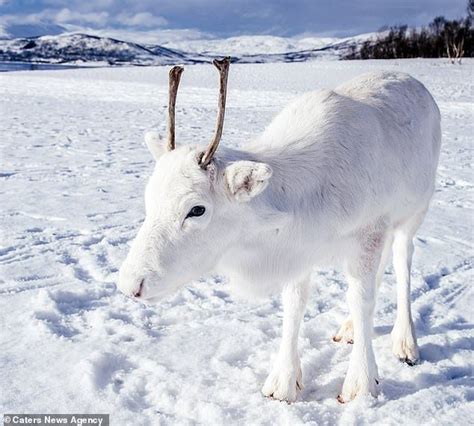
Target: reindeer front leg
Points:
(286, 378)
(361, 272)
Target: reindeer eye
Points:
(196, 211)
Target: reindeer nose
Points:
(138, 293)
(131, 282)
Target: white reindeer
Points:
(339, 175)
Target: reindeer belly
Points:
(263, 265)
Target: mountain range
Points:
(89, 49)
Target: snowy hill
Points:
(334, 50)
(80, 48)
(84, 48)
(250, 45)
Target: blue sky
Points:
(231, 17)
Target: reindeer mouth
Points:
(148, 296)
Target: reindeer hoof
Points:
(340, 399)
(283, 384)
(345, 333)
(404, 344)
(408, 361)
(338, 339)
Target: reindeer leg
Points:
(346, 331)
(286, 378)
(361, 271)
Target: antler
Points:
(223, 67)
(175, 75)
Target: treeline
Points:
(453, 39)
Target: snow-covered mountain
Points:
(84, 48)
(78, 48)
(250, 45)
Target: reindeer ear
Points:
(246, 179)
(155, 144)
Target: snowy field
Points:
(72, 174)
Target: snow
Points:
(73, 170)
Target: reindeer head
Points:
(196, 207)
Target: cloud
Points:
(142, 19)
(234, 17)
(102, 19)
(98, 19)
(66, 16)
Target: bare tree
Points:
(454, 34)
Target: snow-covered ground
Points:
(73, 170)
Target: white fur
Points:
(337, 176)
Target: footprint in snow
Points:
(104, 369)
